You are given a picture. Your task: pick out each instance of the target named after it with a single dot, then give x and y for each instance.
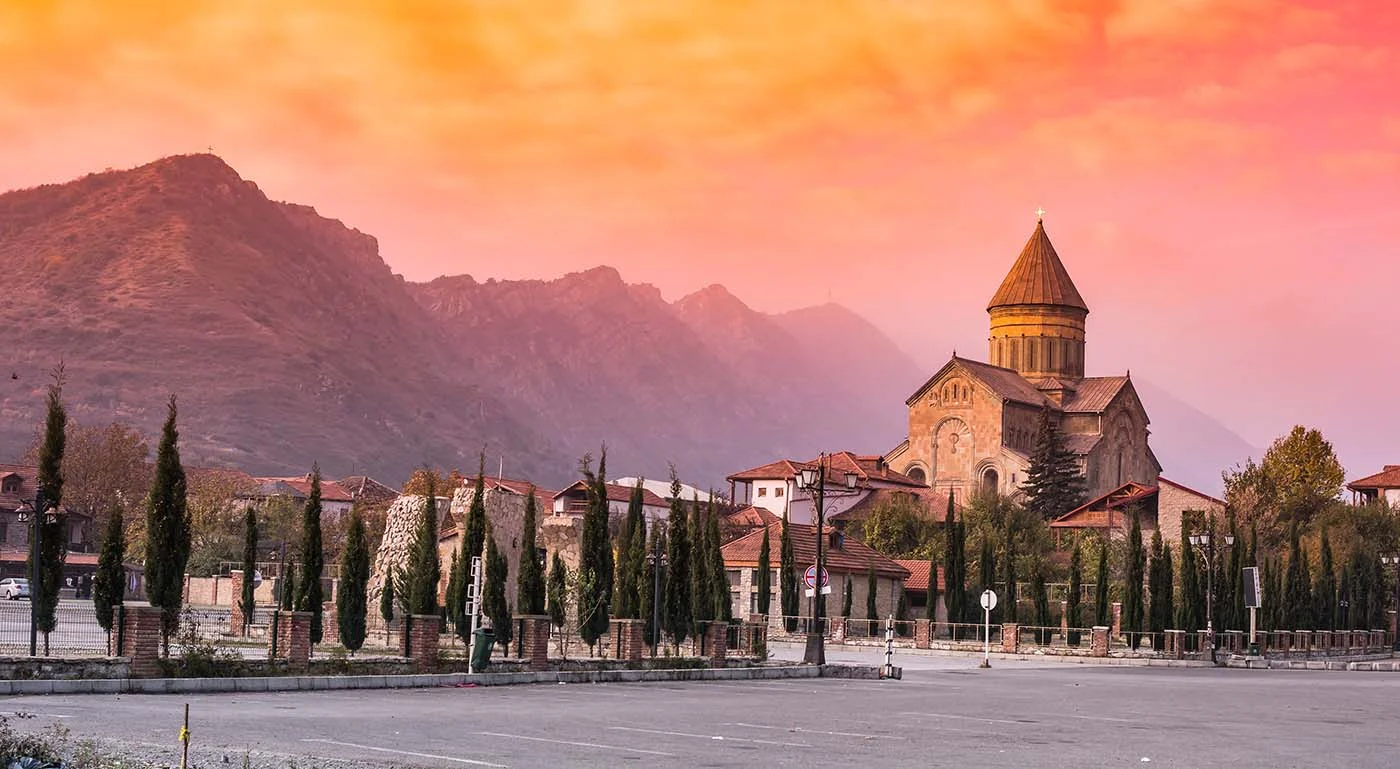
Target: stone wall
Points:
(400, 524)
(56, 669)
(562, 534)
(505, 516)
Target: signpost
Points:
(989, 602)
(1253, 599)
(810, 577)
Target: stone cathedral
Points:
(972, 425)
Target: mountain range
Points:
(288, 340)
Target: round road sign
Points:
(989, 600)
(810, 576)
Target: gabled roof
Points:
(1093, 394)
(1003, 382)
(543, 497)
(1093, 514)
(1161, 480)
(616, 493)
(1387, 478)
(780, 470)
(866, 467)
(853, 557)
(917, 581)
(1080, 444)
(28, 479)
(365, 487)
(1038, 277)
(299, 487)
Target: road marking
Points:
(407, 753)
(818, 731)
(715, 737)
(578, 744)
(1102, 718)
(966, 718)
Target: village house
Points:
(916, 589)
(774, 487)
(1383, 486)
(573, 500)
(17, 486)
(1162, 506)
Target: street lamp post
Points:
(1393, 560)
(658, 562)
(37, 514)
(813, 480)
(1208, 555)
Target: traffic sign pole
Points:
(989, 602)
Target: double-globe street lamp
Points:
(1205, 548)
(1393, 560)
(813, 481)
(36, 512)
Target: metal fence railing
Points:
(75, 634)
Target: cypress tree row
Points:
(1325, 588)
(787, 578)
(557, 591)
(1132, 585)
(1157, 621)
(675, 610)
(1300, 603)
(1009, 612)
(625, 595)
(1102, 610)
(1190, 613)
(871, 586)
(1073, 616)
(1041, 598)
(987, 568)
(109, 582)
(167, 531)
(351, 605)
(494, 603)
(250, 566)
(636, 563)
(1237, 617)
(765, 575)
(702, 603)
(53, 547)
(529, 579)
(595, 568)
(313, 557)
(719, 578)
(424, 569)
(846, 601)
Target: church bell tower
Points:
(1038, 316)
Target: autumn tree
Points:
(1295, 481)
(102, 467)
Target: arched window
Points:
(916, 474)
(990, 480)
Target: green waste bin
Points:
(482, 642)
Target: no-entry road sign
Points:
(810, 576)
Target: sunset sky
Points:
(1222, 177)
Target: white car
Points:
(14, 588)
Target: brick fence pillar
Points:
(716, 640)
(627, 639)
(923, 634)
(838, 630)
(1176, 644)
(1010, 637)
(1098, 641)
(535, 639)
(140, 640)
(237, 623)
(294, 637)
(421, 639)
(1117, 619)
(330, 624)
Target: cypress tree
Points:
(474, 533)
(765, 575)
(1190, 612)
(846, 601)
(351, 605)
(1238, 616)
(53, 547)
(529, 580)
(1169, 611)
(951, 577)
(313, 557)
(595, 568)
(1344, 598)
(676, 618)
(787, 578)
(957, 588)
(1132, 585)
(287, 586)
(1325, 588)
(1041, 597)
(931, 594)
(167, 531)
(1156, 621)
(987, 568)
(636, 563)
(1377, 598)
(719, 578)
(386, 601)
(250, 565)
(871, 586)
(109, 582)
(494, 603)
(648, 599)
(702, 604)
(1053, 484)
(1073, 616)
(1300, 603)
(557, 591)
(625, 595)
(456, 598)
(1010, 614)
(424, 569)
(1102, 611)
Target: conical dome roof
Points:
(1038, 277)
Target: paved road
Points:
(1050, 715)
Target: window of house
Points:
(763, 491)
(733, 575)
(778, 492)
(753, 576)
(753, 603)
(10, 485)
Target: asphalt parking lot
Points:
(944, 712)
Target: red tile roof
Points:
(1387, 478)
(28, 480)
(331, 491)
(616, 493)
(749, 517)
(20, 555)
(782, 469)
(544, 498)
(867, 467)
(852, 557)
(1038, 277)
(918, 575)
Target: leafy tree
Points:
(351, 605)
(900, 528)
(871, 586)
(102, 467)
(1132, 584)
(648, 599)
(53, 547)
(1325, 588)
(109, 582)
(494, 603)
(1073, 616)
(765, 575)
(312, 557)
(1297, 478)
(1300, 601)
(386, 600)
(556, 593)
(595, 569)
(529, 581)
(424, 568)
(167, 531)
(1102, 610)
(1041, 598)
(250, 565)
(846, 601)
(1158, 593)
(787, 578)
(1053, 484)
(719, 578)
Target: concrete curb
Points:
(1371, 666)
(429, 680)
(1064, 659)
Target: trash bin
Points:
(482, 642)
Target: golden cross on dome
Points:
(1040, 214)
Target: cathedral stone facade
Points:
(972, 426)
